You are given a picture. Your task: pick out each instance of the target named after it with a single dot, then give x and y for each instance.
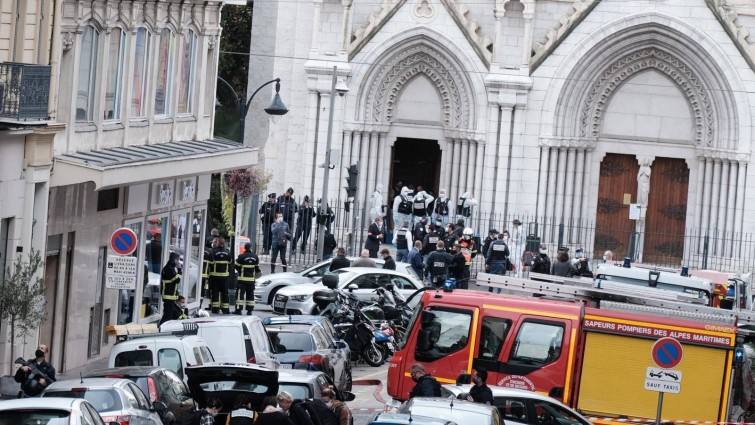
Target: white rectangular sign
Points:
(634, 211)
(662, 386)
(120, 282)
(665, 375)
(118, 265)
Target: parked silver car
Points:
(112, 398)
(459, 411)
(52, 410)
(298, 299)
(267, 286)
(308, 384)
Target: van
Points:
(143, 345)
(683, 288)
(232, 339)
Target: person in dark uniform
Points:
(32, 384)
(170, 280)
(438, 263)
(267, 215)
(498, 253)
(458, 265)
(242, 413)
(329, 245)
(303, 225)
(246, 265)
(206, 265)
(340, 261)
(375, 237)
(450, 238)
(281, 234)
(430, 241)
(287, 206)
(389, 263)
(492, 237)
(221, 268)
(480, 392)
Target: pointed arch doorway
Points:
(416, 162)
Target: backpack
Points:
(320, 412)
(190, 417)
(441, 208)
(405, 207)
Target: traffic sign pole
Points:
(660, 409)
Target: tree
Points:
(22, 297)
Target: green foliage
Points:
(22, 296)
(215, 205)
(235, 41)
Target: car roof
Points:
(501, 392)
(443, 403)
(126, 371)
(89, 383)
(289, 329)
(298, 375)
(62, 403)
(408, 419)
(304, 319)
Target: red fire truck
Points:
(594, 356)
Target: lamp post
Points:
(276, 108)
(341, 89)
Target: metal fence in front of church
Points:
(697, 248)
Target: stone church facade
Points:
(566, 109)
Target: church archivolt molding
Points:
(580, 9)
(628, 66)
(386, 87)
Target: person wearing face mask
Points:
(180, 311)
(389, 263)
(204, 416)
(440, 209)
(427, 385)
(222, 261)
(303, 225)
(281, 235)
(496, 260)
(516, 246)
(581, 263)
(480, 392)
(375, 237)
(30, 375)
(339, 408)
(608, 257)
(170, 281)
(541, 263)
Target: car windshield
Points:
(297, 391)
(343, 275)
(293, 341)
(103, 400)
(34, 416)
(456, 415)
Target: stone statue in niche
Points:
(643, 184)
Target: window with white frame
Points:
(141, 69)
(87, 78)
(116, 50)
(188, 61)
(164, 73)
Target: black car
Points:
(159, 384)
(308, 347)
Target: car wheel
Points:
(349, 381)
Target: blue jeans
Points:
(497, 267)
(327, 256)
(401, 254)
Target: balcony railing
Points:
(24, 92)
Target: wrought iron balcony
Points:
(24, 92)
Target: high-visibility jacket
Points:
(247, 264)
(221, 263)
(206, 262)
(170, 280)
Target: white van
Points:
(655, 283)
(142, 345)
(232, 339)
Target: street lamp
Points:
(341, 88)
(276, 108)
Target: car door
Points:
(181, 400)
(406, 286)
(366, 285)
(543, 412)
(513, 410)
(326, 347)
(144, 413)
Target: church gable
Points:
(424, 11)
(555, 20)
(738, 20)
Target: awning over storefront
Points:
(114, 167)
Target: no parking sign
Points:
(123, 241)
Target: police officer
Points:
(450, 238)
(219, 272)
(267, 215)
(498, 253)
(246, 265)
(430, 241)
(206, 265)
(170, 279)
(438, 263)
(32, 383)
(287, 206)
(403, 240)
(303, 225)
(492, 236)
(242, 413)
(420, 204)
(420, 229)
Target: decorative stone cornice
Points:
(703, 152)
(464, 134)
(727, 16)
(577, 143)
(363, 34)
(366, 127)
(554, 37)
(627, 66)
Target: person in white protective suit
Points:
(377, 208)
(441, 210)
(402, 208)
(420, 205)
(516, 246)
(464, 207)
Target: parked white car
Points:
(51, 410)
(523, 407)
(297, 299)
(268, 285)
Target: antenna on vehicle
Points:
(81, 376)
